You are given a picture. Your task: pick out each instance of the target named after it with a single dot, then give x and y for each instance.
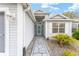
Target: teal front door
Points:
(39, 29)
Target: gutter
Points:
(29, 11)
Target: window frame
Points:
(58, 23)
(77, 24)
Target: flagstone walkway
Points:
(40, 48)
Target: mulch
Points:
(56, 50)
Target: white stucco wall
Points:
(28, 30)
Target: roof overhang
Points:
(28, 10)
(62, 20)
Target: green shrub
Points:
(69, 53)
(64, 39)
(72, 40)
(76, 34)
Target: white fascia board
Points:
(62, 19)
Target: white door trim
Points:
(6, 12)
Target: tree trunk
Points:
(61, 44)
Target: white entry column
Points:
(68, 28)
(19, 30)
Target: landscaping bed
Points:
(56, 50)
(63, 45)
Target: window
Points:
(75, 26)
(58, 27)
(55, 28)
(61, 30)
(55, 25)
(78, 25)
(61, 27)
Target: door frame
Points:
(37, 24)
(6, 29)
(38, 34)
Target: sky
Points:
(55, 7)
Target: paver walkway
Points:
(40, 48)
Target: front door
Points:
(39, 29)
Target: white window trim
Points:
(6, 12)
(58, 27)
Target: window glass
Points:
(74, 27)
(61, 25)
(61, 30)
(78, 25)
(55, 24)
(58, 27)
(55, 30)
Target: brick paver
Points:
(40, 48)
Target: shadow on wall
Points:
(24, 51)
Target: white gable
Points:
(58, 16)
